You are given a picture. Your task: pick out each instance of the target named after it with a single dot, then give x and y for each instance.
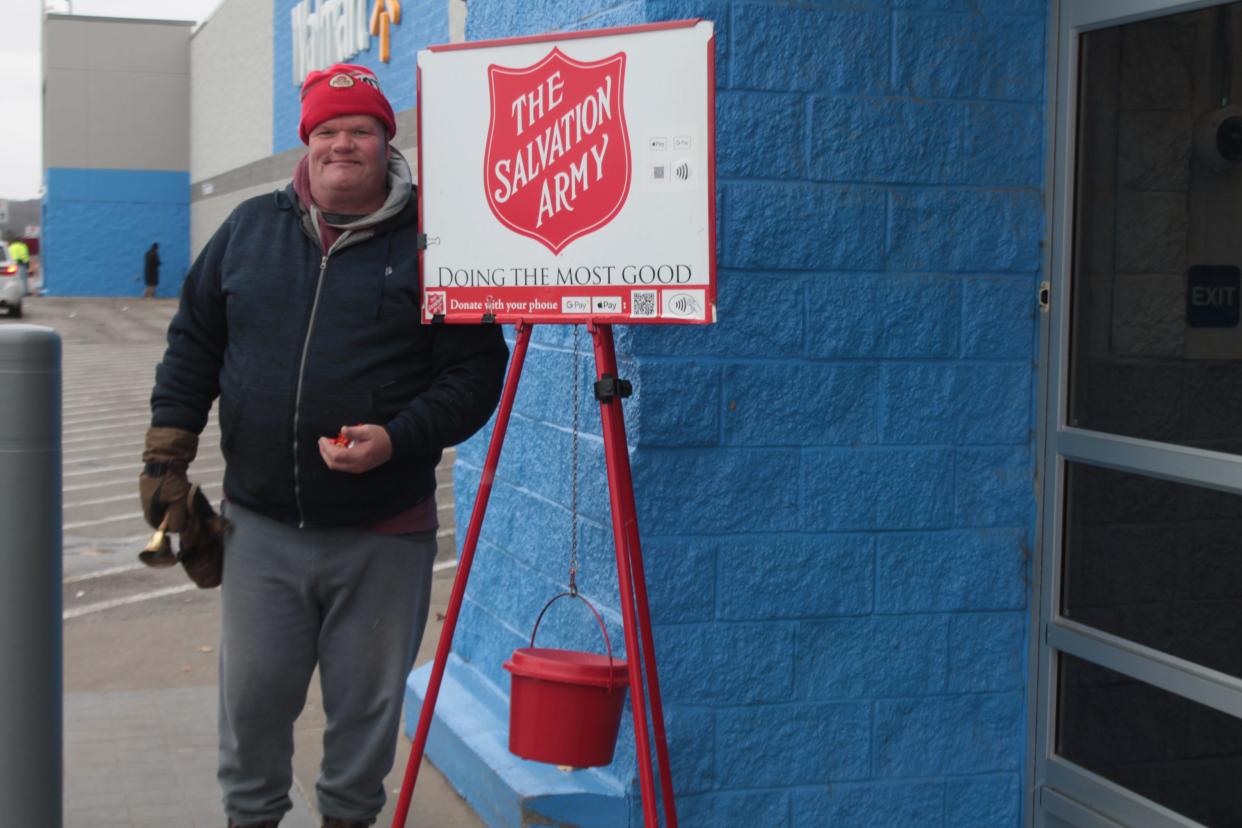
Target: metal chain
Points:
(573, 509)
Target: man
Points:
(302, 314)
(20, 253)
(151, 270)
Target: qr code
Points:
(657, 172)
(643, 303)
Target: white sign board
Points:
(569, 178)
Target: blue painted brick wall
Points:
(836, 482)
(99, 223)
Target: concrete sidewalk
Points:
(140, 721)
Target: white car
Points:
(12, 285)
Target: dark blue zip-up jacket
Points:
(297, 344)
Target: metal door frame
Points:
(1059, 792)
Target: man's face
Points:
(348, 162)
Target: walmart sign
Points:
(333, 31)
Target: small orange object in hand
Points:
(342, 440)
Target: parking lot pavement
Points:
(140, 644)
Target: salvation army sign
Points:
(573, 174)
(570, 177)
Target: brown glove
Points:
(162, 485)
(202, 541)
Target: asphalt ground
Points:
(140, 660)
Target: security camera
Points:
(1218, 137)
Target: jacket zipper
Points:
(297, 401)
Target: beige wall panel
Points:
(65, 43)
(138, 120)
(231, 58)
(206, 215)
(117, 94)
(65, 117)
(139, 47)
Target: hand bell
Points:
(158, 552)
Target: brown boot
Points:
(333, 822)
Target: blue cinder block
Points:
(803, 227)
(800, 404)
(691, 745)
(981, 569)
(597, 573)
(862, 315)
(993, 801)
(726, 664)
(966, 230)
(987, 652)
(807, 576)
(545, 389)
(855, 805)
(745, 737)
(869, 139)
(876, 489)
(1003, 144)
(769, 809)
(978, 7)
(747, 304)
(866, 657)
(982, 403)
(681, 578)
(511, 19)
(747, 119)
(966, 56)
(485, 642)
(529, 528)
(675, 403)
(538, 458)
(999, 317)
(802, 576)
(806, 49)
(994, 487)
(98, 224)
(703, 484)
(923, 737)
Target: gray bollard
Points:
(31, 708)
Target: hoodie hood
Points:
(317, 223)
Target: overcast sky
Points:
(21, 22)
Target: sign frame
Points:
(544, 285)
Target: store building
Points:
(116, 153)
(939, 518)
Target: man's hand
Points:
(365, 447)
(162, 485)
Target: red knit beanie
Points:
(343, 89)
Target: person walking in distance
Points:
(20, 253)
(151, 270)
(302, 316)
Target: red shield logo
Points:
(557, 164)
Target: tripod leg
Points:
(468, 547)
(633, 588)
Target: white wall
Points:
(231, 88)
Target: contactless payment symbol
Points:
(557, 164)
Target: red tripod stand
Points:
(635, 612)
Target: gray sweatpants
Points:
(355, 603)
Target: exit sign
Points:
(1212, 296)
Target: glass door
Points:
(1138, 665)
